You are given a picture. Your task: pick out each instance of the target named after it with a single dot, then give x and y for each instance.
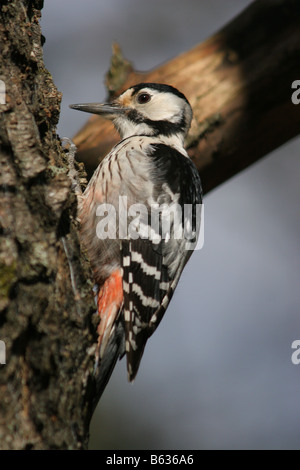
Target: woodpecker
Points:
(136, 273)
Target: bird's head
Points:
(146, 109)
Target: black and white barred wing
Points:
(153, 261)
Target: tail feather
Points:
(115, 349)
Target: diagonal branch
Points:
(239, 85)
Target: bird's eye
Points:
(143, 98)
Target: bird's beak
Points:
(108, 111)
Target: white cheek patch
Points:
(162, 106)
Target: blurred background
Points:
(217, 374)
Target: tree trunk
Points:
(239, 83)
(46, 303)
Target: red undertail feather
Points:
(110, 300)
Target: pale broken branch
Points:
(239, 84)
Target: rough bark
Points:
(46, 303)
(239, 85)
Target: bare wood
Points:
(239, 85)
